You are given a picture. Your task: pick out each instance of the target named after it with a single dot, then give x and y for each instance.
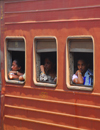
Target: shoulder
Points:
(89, 72)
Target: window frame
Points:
(5, 51)
(78, 87)
(43, 84)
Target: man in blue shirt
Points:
(83, 75)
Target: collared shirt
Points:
(88, 78)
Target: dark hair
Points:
(52, 57)
(83, 59)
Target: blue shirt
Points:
(88, 78)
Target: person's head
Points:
(49, 64)
(82, 65)
(15, 65)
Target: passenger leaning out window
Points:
(16, 70)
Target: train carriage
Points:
(66, 30)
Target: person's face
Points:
(47, 65)
(82, 66)
(14, 66)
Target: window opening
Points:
(15, 50)
(45, 50)
(80, 48)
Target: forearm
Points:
(13, 76)
(42, 68)
(80, 78)
(15, 73)
(77, 78)
(19, 74)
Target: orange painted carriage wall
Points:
(30, 107)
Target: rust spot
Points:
(43, 95)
